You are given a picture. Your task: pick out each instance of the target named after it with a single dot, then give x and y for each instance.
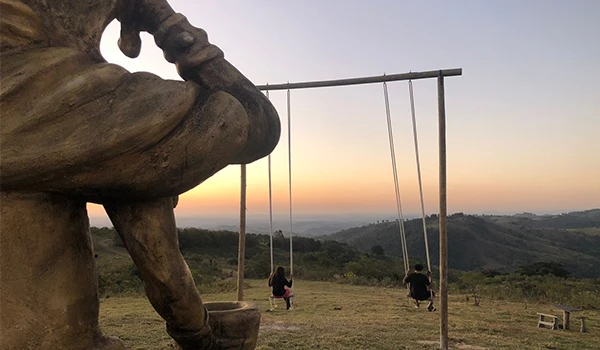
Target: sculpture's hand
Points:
(182, 43)
(137, 16)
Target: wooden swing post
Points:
(242, 237)
(442, 218)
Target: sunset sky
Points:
(523, 121)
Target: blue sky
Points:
(523, 120)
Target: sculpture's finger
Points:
(189, 63)
(177, 37)
(179, 45)
(130, 42)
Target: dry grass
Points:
(334, 316)
(592, 231)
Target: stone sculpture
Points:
(75, 129)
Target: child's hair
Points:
(418, 267)
(278, 275)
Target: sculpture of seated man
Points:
(75, 129)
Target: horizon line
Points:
(488, 212)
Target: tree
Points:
(377, 250)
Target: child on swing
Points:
(420, 286)
(281, 285)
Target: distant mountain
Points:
(493, 241)
(573, 220)
(302, 226)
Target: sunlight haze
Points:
(523, 120)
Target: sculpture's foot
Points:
(108, 343)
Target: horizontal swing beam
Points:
(364, 80)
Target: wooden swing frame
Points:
(443, 236)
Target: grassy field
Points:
(336, 316)
(593, 231)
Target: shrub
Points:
(543, 268)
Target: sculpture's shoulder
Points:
(70, 23)
(20, 27)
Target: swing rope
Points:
(414, 124)
(289, 116)
(270, 207)
(395, 173)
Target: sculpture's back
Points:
(75, 129)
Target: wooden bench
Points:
(544, 322)
(567, 314)
(583, 327)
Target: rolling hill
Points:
(493, 242)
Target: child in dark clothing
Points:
(279, 283)
(420, 287)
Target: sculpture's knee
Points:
(208, 139)
(264, 126)
(223, 121)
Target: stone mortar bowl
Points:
(234, 324)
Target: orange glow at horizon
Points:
(489, 188)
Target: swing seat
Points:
(273, 298)
(282, 296)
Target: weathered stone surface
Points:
(75, 129)
(235, 325)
